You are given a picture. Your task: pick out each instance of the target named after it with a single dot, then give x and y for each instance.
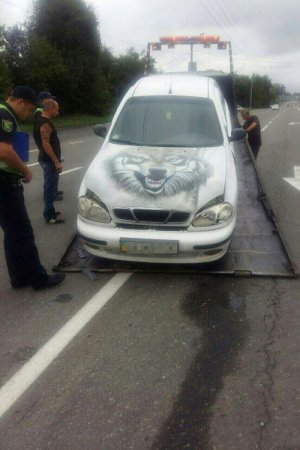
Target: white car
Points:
(275, 106)
(163, 187)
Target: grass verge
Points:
(71, 121)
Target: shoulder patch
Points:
(7, 125)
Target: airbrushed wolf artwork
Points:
(159, 173)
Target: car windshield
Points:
(168, 121)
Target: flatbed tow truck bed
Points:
(257, 248)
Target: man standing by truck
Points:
(47, 141)
(43, 97)
(252, 127)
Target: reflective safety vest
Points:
(38, 110)
(3, 165)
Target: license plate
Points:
(151, 247)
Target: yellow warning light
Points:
(203, 38)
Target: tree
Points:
(261, 91)
(259, 87)
(242, 89)
(6, 84)
(126, 69)
(71, 28)
(45, 65)
(14, 44)
(59, 49)
(277, 91)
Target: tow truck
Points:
(257, 247)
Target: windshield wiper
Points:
(121, 141)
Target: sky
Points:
(265, 34)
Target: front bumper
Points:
(192, 246)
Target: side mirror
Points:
(100, 130)
(237, 134)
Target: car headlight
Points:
(91, 209)
(213, 215)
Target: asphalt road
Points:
(277, 160)
(154, 361)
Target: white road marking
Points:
(28, 374)
(295, 182)
(62, 173)
(73, 142)
(293, 123)
(71, 170)
(297, 172)
(67, 143)
(266, 126)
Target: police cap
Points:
(26, 93)
(45, 95)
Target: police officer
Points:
(21, 254)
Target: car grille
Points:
(147, 215)
(161, 227)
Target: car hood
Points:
(151, 177)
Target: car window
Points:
(166, 121)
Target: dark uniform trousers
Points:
(21, 254)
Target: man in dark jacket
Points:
(22, 258)
(252, 127)
(47, 141)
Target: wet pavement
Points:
(222, 320)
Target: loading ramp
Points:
(257, 247)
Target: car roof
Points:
(175, 84)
